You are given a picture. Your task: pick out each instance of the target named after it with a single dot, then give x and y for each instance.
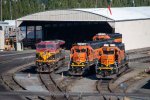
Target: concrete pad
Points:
(31, 83)
(138, 68)
(137, 86)
(127, 76)
(83, 85)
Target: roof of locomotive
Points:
(94, 44)
(53, 42)
(115, 44)
(111, 35)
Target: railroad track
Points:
(8, 58)
(103, 86)
(140, 59)
(138, 51)
(10, 82)
(51, 85)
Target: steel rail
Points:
(53, 86)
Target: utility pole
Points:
(10, 9)
(1, 10)
(133, 3)
(95, 3)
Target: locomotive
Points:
(112, 62)
(116, 37)
(49, 53)
(83, 57)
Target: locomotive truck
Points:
(49, 55)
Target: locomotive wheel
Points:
(117, 70)
(50, 68)
(127, 66)
(39, 69)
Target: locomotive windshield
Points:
(108, 52)
(50, 46)
(80, 50)
(42, 46)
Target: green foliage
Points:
(21, 8)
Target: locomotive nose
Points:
(108, 60)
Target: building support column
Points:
(35, 34)
(43, 32)
(26, 32)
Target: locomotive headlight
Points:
(82, 63)
(37, 55)
(52, 57)
(103, 65)
(39, 63)
(72, 63)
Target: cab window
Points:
(77, 50)
(80, 51)
(83, 50)
(40, 46)
(108, 52)
(97, 38)
(50, 46)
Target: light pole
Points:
(10, 10)
(1, 11)
(96, 4)
(133, 3)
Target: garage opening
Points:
(71, 32)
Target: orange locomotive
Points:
(116, 37)
(112, 62)
(83, 56)
(49, 53)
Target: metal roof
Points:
(123, 13)
(11, 22)
(90, 14)
(2, 22)
(65, 15)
